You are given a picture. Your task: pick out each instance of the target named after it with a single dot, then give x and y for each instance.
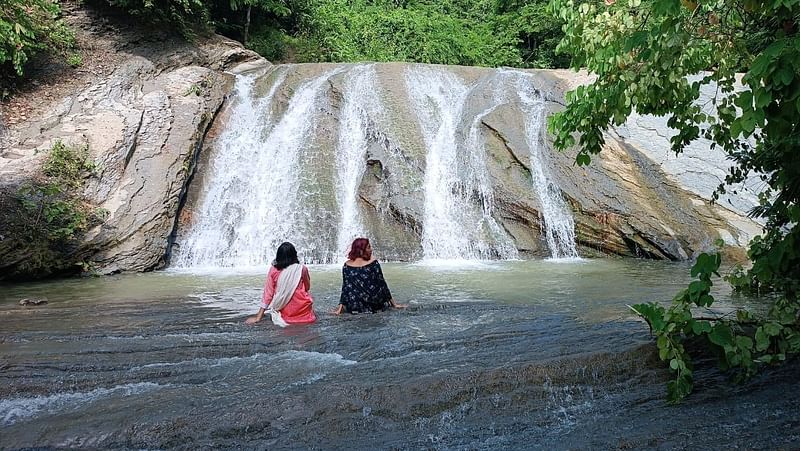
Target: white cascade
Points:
(457, 222)
(361, 102)
(253, 201)
(559, 227)
(502, 244)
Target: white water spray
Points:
(559, 226)
(458, 222)
(360, 103)
(251, 205)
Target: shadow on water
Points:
(506, 355)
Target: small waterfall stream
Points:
(559, 227)
(360, 102)
(558, 223)
(458, 221)
(252, 206)
(438, 99)
(221, 216)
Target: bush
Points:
(426, 33)
(269, 43)
(28, 27)
(53, 208)
(185, 16)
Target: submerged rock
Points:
(32, 302)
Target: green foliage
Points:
(275, 7)
(28, 27)
(536, 28)
(54, 214)
(655, 56)
(483, 32)
(68, 165)
(516, 33)
(75, 60)
(269, 43)
(741, 343)
(185, 16)
(359, 31)
(53, 209)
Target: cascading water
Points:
(252, 204)
(276, 179)
(559, 226)
(452, 180)
(360, 102)
(503, 245)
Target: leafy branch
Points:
(654, 56)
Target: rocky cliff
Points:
(143, 125)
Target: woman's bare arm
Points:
(254, 319)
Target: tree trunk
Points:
(247, 25)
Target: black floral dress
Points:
(364, 289)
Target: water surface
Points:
(528, 354)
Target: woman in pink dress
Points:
(286, 292)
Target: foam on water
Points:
(16, 409)
(317, 358)
(444, 265)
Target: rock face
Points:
(144, 126)
(628, 202)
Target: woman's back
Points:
(363, 287)
(300, 307)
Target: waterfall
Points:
(253, 201)
(360, 102)
(559, 226)
(478, 173)
(457, 222)
(290, 163)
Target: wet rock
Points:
(28, 302)
(631, 201)
(151, 128)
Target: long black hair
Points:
(286, 255)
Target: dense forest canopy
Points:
(517, 33)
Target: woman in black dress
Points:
(363, 286)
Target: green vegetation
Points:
(53, 206)
(481, 32)
(185, 16)
(518, 33)
(654, 56)
(28, 27)
(75, 59)
(429, 32)
(49, 214)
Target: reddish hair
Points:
(359, 249)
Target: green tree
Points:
(538, 32)
(28, 27)
(515, 33)
(185, 16)
(278, 8)
(654, 56)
